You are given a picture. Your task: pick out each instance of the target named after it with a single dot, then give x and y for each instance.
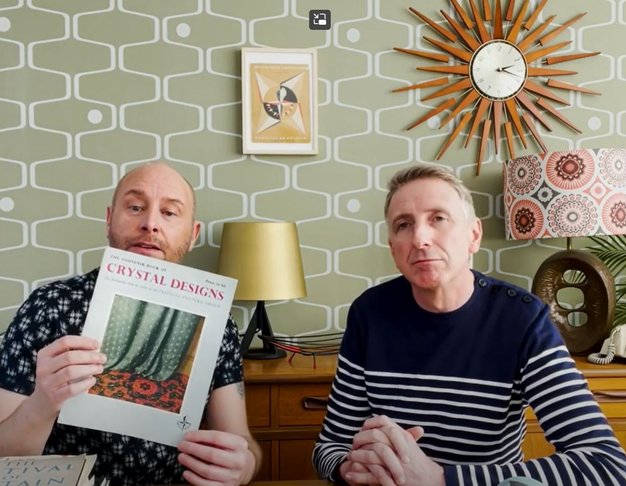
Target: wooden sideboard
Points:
(286, 406)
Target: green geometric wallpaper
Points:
(90, 88)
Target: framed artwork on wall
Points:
(279, 100)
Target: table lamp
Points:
(265, 258)
(564, 194)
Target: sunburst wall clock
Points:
(498, 73)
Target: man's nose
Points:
(421, 235)
(150, 221)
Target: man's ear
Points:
(194, 235)
(391, 247)
(476, 236)
(108, 219)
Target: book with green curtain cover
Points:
(152, 317)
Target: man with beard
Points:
(44, 360)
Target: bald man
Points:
(44, 361)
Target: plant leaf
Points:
(612, 251)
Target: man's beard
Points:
(170, 254)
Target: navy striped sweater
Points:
(466, 377)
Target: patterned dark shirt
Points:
(58, 309)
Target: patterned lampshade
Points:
(566, 193)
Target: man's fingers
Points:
(200, 472)
(381, 429)
(383, 477)
(365, 455)
(79, 386)
(377, 421)
(65, 368)
(373, 475)
(367, 477)
(66, 352)
(67, 343)
(70, 366)
(220, 439)
(72, 378)
(214, 447)
(380, 455)
(401, 442)
(54, 396)
(416, 432)
(213, 456)
(371, 436)
(358, 467)
(205, 454)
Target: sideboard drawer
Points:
(612, 383)
(613, 410)
(258, 405)
(286, 403)
(295, 460)
(302, 404)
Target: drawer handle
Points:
(315, 403)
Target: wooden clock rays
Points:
(496, 73)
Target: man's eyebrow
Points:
(440, 210)
(431, 211)
(140, 193)
(401, 216)
(134, 192)
(174, 200)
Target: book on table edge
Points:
(72, 470)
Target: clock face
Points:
(498, 70)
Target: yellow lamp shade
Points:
(265, 258)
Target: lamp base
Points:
(558, 273)
(262, 353)
(260, 323)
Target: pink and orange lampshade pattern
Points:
(567, 193)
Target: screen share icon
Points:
(319, 19)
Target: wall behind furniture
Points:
(90, 88)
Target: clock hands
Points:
(505, 71)
(512, 74)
